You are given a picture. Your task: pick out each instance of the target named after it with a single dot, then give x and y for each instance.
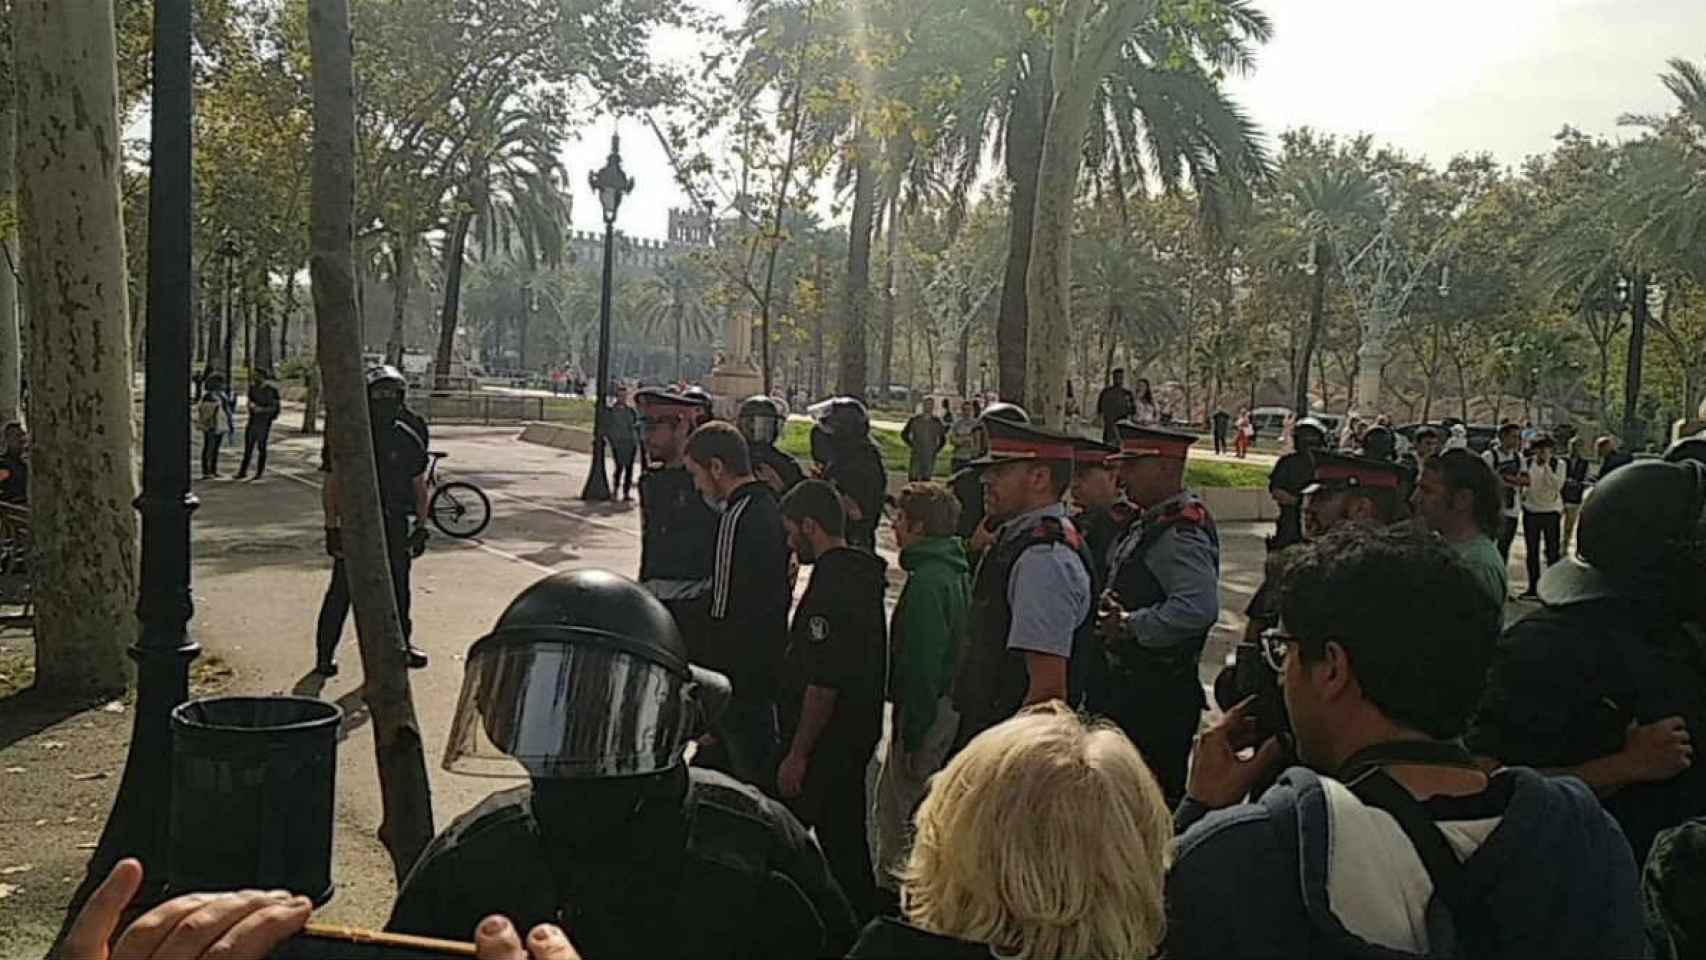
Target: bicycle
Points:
(458, 509)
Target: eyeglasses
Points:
(1275, 645)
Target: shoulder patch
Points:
(1190, 513)
(818, 629)
(1056, 530)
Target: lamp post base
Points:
(597, 486)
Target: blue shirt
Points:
(1048, 589)
(1186, 561)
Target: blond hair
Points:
(1047, 836)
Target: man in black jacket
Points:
(832, 687)
(854, 465)
(749, 601)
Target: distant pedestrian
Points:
(264, 407)
(1145, 411)
(963, 436)
(1542, 509)
(924, 434)
(1246, 434)
(1115, 403)
(621, 431)
(1505, 459)
(1611, 458)
(213, 417)
(1221, 421)
(1576, 484)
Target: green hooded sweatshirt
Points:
(930, 623)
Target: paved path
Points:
(260, 571)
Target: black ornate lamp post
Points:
(611, 185)
(137, 824)
(229, 251)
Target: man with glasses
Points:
(1388, 839)
(1031, 602)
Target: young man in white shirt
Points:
(1542, 509)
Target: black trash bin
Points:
(252, 789)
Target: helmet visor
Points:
(553, 708)
(760, 428)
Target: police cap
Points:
(1335, 472)
(1090, 454)
(1141, 442)
(656, 403)
(1011, 442)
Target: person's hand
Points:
(854, 511)
(982, 538)
(236, 926)
(1658, 751)
(418, 538)
(768, 474)
(791, 776)
(1110, 617)
(335, 543)
(1219, 778)
(496, 939)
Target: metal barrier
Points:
(483, 408)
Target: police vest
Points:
(992, 680)
(1136, 587)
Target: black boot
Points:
(417, 657)
(326, 667)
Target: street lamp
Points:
(611, 185)
(229, 251)
(137, 824)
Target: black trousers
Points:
(210, 441)
(1507, 536)
(334, 609)
(1537, 527)
(255, 439)
(832, 803)
(623, 479)
(1160, 717)
(1219, 439)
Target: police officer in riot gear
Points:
(761, 420)
(678, 529)
(968, 489)
(1291, 474)
(841, 443)
(400, 439)
(1162, 598)
(583, 688)
(1608, 681)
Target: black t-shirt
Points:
(400, 455)
(263, 402)
(1115, 404)
(749, 595)
(1566, 683)
(839, 641)
(1221, 419)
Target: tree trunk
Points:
(1024, 151)
(819, 362)
(404, 790)
(1634, 430)
(452, 297)
(83, 566)
(892, 240)
(678, 313)
(521, 324)
(11, 343)
(311, 399)
(402, 280)
(962, 354)
(1312, 337)
(1048, 282)
(289, 309)
(854, 374)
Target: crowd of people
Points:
(1394, 771)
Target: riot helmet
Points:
(843, 418)
(761, 420)
(584, 677)
(1010, 412)
(1309, 434)
(1688, 448)
(701, 399)
(386, 388)
(1380, 443)
(1642, 534)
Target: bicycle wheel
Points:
(460, 510)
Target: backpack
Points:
(207, 413)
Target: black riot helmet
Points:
(843, 418)
(1010, 412)
(702, 399)
(584, 677)
(761, 420)
(1642, 534)
(1688, 448)
(1309, 434)
(1379, 443)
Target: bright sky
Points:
(1436, 79)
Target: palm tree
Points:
(1159, 115)
(515, 189)
(1320, 201)
(1116, 274)
(672, 299)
